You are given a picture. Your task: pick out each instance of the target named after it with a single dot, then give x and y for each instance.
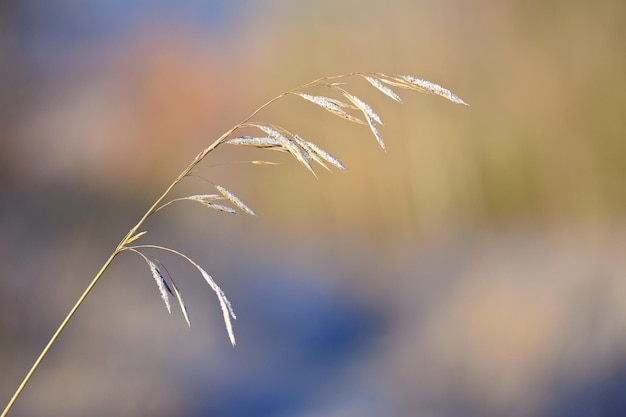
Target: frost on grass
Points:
(207, 200)
(433, 88)
(235, 200)
(227, 309)
(264, 142)
(364, 107)
(281, 139)
(383, 88)
(370, 115)
(332, 105)
(277, 138)
(159, 278)
(317, 154)
(418, 84)
(376, 132)
(161, 283)
(163, 287)
(286, 143)
(304, 151)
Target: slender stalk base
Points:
(58, 332)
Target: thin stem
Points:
(56, 335)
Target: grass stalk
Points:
(273, 137)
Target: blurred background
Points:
(475, 268)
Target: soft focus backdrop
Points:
(476, 268)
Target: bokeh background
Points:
(475, 268)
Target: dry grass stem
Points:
(136, 236)
(274, 138)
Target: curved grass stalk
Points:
(277, 138)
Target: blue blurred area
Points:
(603, 395)
(296, 338)
(49, 34)
(60, 23)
